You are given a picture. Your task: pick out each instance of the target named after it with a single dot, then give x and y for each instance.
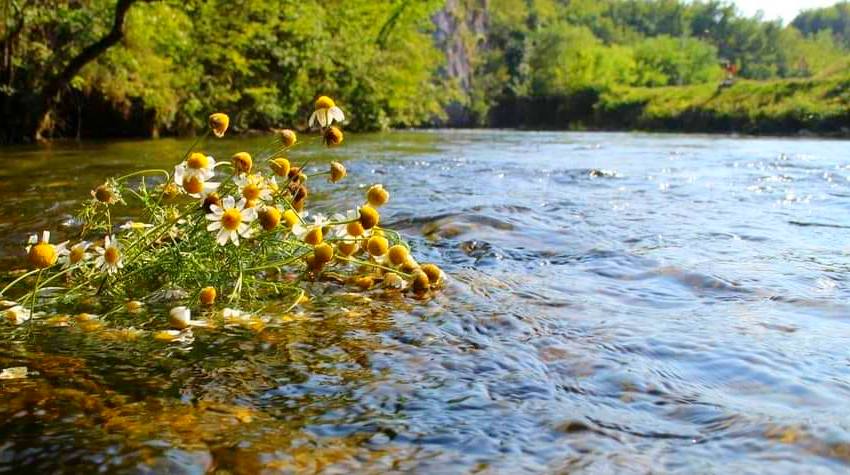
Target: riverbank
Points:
(783, 107)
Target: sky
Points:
(785, 9)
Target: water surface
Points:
(617, 303)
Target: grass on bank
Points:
(761, 107)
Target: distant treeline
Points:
(145, 67)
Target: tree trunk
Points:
(55, 85)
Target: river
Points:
(616, 303)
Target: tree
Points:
(33, 87)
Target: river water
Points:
(617, 303)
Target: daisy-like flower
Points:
(197, 164)
(106, 193)
(41, 253)
(17, 314)
(231, 220)
(134, 226)
(109, 256)
(301, 230)
(255, 187)
(74, 254)
(326, 113)
(181, 318)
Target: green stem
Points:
(12, 284)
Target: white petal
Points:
(228, 202)
(312, 121)
(45, 236)
(214, 226)
(249, 214)
(216, 210)
(221, 239)
(240, 204)
(234, 238)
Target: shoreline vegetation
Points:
(791, 107)
(138, 68)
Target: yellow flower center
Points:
(76, 254)
(251, 192)
(193, 184)
(337, 172)
(324, 102)
(42, 255)
(198, 161)
(231, 219)
(111, 255)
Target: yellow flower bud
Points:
(420, 281)
(242, 162)
(324, 252)
(369, 217)
(433, 272)
(269, 217)
(338, 172)
(346, 248)
(398, 254)
(354, 228)
(378, 245)
(290, 218)
(219, 123)
(377, 195)
(280, 166)
(314, 236)
(208, 295)
(288, 137)
(333, 136)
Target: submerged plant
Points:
(234, 233)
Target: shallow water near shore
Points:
(616, 303)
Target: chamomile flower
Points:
(311, 228)
(109, 256)
(218, 124)
(17, 314)
(106, 193)
(326, 113)
(74, 254)
(231, 220)
(198, 164)
(41, 253)
(255, 187)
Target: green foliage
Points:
(665, 61)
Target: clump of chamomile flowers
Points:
(227, 234)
